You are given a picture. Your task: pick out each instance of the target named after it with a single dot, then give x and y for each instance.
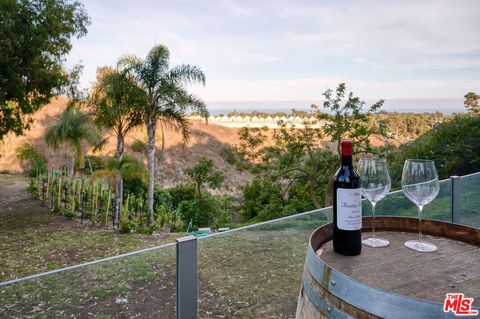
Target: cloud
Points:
(436, 63)
(277, 49)
(312, 88)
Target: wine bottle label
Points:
(349, 209)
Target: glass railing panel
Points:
(470, 200)
(135, 286)
(255, 272)
(396, 204)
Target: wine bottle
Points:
(347, 205)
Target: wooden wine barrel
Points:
(391, 282)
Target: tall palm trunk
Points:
(151, 127)
(119, 186)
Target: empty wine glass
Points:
(420, 184)
(375, 183)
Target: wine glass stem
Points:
(373, 220)
(420, 209)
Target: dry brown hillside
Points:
(206, 141)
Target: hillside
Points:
(207, 140)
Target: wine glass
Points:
(420, 184)
(375, 183)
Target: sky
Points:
(295, 50)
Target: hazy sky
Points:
(291, 50)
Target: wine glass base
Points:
(421, 246)
(376, 242)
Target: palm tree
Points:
(167, 99)
(72, 128)
(116, 102)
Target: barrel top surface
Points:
(454, 267)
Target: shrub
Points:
(32, 188)
(180, 193)
(97, 163)
(36, 159)
(69, 214)
(264, 199)
(127, 227)
(229, 154)
(453, 145)
(261, 197)
(163, 216)
(147, 230)
(189, 210)
(210, 211)
(162, 198)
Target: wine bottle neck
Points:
(347, 161)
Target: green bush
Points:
(134, 186)
(32, 188)
(162, 198)
(453, 145)
(36, 160)
(180, 193)
(210, 211)
(229, 154)
(69, 214)
(264, 199)
(97, 163)
(128, 227)
(147, 230)
(163, 216)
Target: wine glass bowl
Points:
(375, 184)
(420, 185)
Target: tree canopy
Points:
(471, 102)
(204, 172)
(73, 127)
(167, 99)
(35, 36)
(349, 120)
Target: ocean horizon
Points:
(444, 105)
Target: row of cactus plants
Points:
(85, 198)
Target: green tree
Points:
(35, 36)
(37, 161)
(453, 145)
(349, 120)
(262, 199)
(72, 128)
(300, 159)
(116, 102)
(251, 142)
(167, 99)
(204, 172)
(471, 102)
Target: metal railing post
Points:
(455, 199)
(187, 277)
